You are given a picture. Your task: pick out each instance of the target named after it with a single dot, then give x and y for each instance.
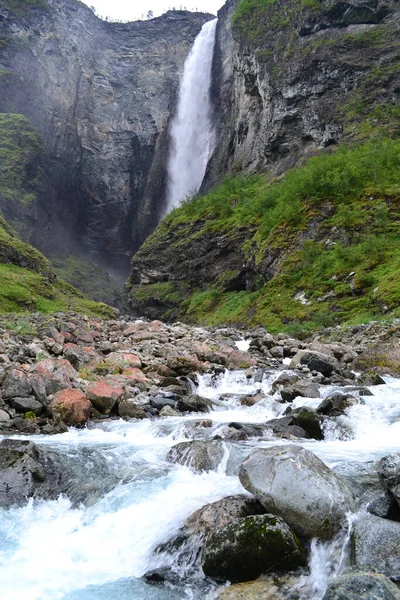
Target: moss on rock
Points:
(249, 547)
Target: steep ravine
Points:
(100, 96)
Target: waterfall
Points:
(192, 132)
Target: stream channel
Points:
(126, 499)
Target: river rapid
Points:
(134, 500)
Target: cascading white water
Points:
(192, 132)
(54, 550)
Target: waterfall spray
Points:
(192, 132)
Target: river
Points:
(134, 500)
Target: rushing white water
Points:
(192, 131)
(57, 550)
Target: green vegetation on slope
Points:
(14, 251)
(252, 17)
(22, 290)
(87, 277)
(28, 283)
(333, 224)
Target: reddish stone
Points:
(124, 360)
(135, 375)
(45, 366)
(156, 326)
(104, 396)
(56, 374)
(237, 359)
(131, 329)
(71, 406)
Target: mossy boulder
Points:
(293, 483)
(249, 547)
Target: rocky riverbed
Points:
(214, 452)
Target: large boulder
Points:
(376, 544)
(199, 455)
(249, 547)
(293, 483)
(71, 406)
(315, 361)
(28, 471)
(361, 586)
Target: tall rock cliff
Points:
(291, 76)
(100, 96)
(310, 84)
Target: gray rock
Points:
(29, 404)
(167, 411)
(376, 545)
(194, 403)
(286, 427)
(216, 515)
(304, 389)
(294, 484)
(361, 586)
(16, 384)
(160, 401)
(388, 469)
(4, 416)
(130, 409)
(249, 547)
(384, 506)
(335, 404)
(198, 455)
(315, 361)
(27, 471)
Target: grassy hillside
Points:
(318, 247)
(28, 282)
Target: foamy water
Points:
(57, 551)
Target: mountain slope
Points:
(320, 246)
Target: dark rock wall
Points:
(100, 95)
(284, 75)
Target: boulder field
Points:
(67, 369)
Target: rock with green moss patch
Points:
(249, 547)
(293, 483)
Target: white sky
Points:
(134, 9)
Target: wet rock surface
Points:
(198, 455)
(362, 586)
(27, 471)
(293, 483)
(248, 547)
(376, 545)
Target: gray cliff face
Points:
(100, 95)
(282, 81)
